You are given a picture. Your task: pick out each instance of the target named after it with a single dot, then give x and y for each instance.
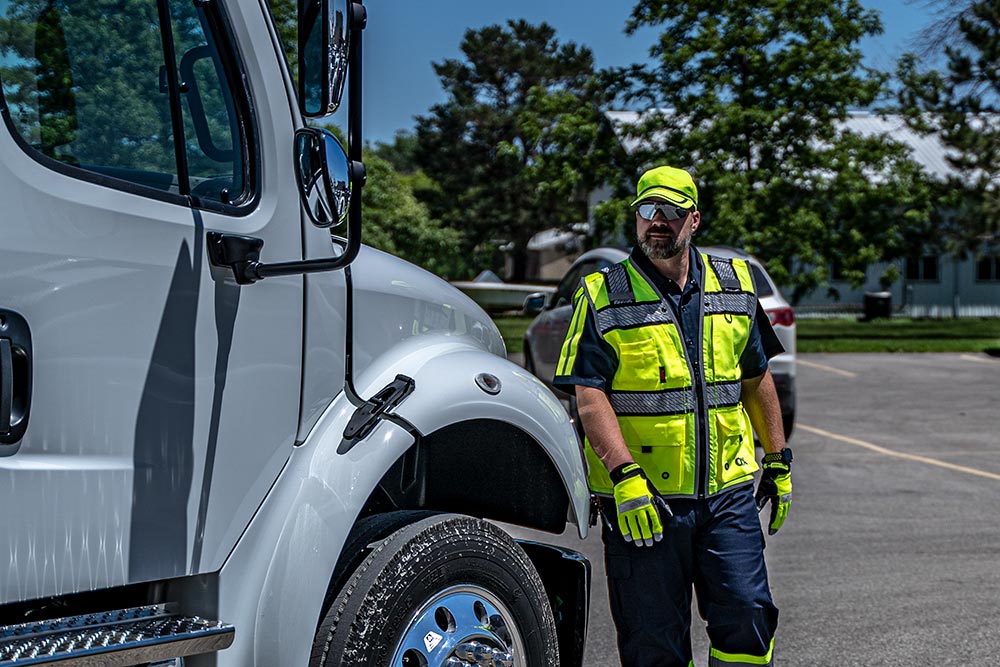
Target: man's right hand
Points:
(638, 518)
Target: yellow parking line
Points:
(828, 369)
(982, 360)
(901, 455)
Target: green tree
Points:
(286, 20)
(758, 93)
(394, 221)
(519, 141)
(961, 105)
(401, 152)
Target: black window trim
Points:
(994, 268)
(238, 83)
(234, 68)
(920, 269)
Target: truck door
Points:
(164, 398)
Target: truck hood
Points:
(395, 301)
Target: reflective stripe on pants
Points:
(718, 658)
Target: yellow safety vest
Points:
(682, 419)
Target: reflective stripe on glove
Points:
(638, 518)
(775, 487)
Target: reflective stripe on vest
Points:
(681, 418)
(674, 401)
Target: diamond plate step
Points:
(112, 639)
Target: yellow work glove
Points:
(775, 487)
(638, 518)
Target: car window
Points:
(85, 83)
(570, 282)
(762, 284)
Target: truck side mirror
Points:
(326, 30)
(324, 33)
(324, 176)
(326, 180)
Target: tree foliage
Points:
(286, 20)
(401, 152)
(758, 94)
(962, 105)
(394, 221)
(519, 141)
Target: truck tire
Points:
(367, 533)
(444, 590)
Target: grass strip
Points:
(850, 335)
(512, 329)
(899, 335)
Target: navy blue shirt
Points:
(596, 361)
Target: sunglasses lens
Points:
(668, 211)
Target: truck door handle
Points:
(15, 378)
(6, 385)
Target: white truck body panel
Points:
(126, 316)
(182, 424)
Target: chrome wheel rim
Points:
(461, 626)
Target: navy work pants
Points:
(716, 545)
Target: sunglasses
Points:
(670, 212)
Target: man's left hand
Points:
(775, 487)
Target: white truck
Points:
(230, 434)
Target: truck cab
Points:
(230, 433)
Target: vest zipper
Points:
(697, 381)
(701, 445)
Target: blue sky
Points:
(404, 37)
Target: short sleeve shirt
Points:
(595, 361)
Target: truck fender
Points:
(456, 382)
(320, 492)
(292, 545)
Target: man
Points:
(668, 354)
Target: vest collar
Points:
(663, 284)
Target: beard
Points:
(663, 248)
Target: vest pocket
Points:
(723, 345)
(661, 455)
(639, 366)
(735, 449)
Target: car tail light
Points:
(782, 316)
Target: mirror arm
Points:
(241, 254)
(359, 19)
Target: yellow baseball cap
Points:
(669, 183)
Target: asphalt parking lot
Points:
(891, 553)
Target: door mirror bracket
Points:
(328, 182)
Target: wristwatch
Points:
(784, 456)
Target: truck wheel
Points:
(448, 590)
